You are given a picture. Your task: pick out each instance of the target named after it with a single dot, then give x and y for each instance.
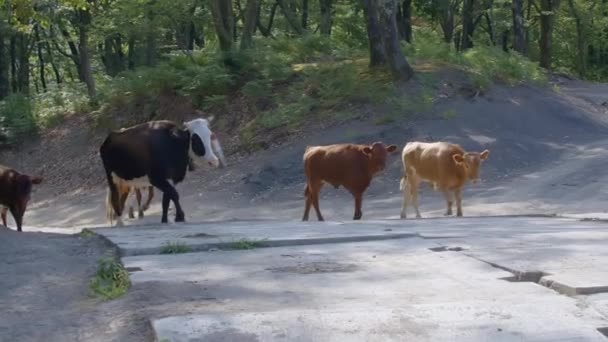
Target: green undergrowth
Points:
(175, 248)
(483, 64)
(111, 279)
(283, 83)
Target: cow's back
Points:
(433, 162)
(153, 147)
(340, 164)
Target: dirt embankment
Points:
(547, 152)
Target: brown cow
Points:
(15, 189)
(348, 165)
(447, 166)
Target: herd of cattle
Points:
(158, 153)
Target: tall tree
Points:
(404, 20)
(548, 10)
(223, 20)
(374, 34)
(519, 38)
(251, 17)
(4, 62)
(468, 25)
(287, 7)
(325, 6)
(387, 12)
(84, 21)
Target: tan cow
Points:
(446, 166)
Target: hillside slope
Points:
(548, 151)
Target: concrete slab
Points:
(451, 322)
(571, 253)
(391, 290)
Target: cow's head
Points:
(204, 143)
(378, 152)
(471, 161)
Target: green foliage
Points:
(175, 248)
(16, 118)
(111, 279)
(485, 65)
(246, 244)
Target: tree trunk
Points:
(468, 27)
(519, 39)
(407, 20)
(251, 14)
(376, 46)
(547, 19)
(22, 84)
(223, 21)
(304, 14)
(580, 40)
(286, 7)
(13, 54)
(131, 63)
(83, 49)
(400, 68)
(51, 60)
(4, 64)
(491, 30)
(505, 40)
(266, 31)
(325, 24)
(40, 57)
(446, 21)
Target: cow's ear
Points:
(36, 180)
(484, 155)
(458, 159)
(210, 119)
(367, 150)
(391, 148)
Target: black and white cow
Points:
(155, 153)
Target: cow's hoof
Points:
(140, 215)
(418, 216)
(180, 218)
(403, 216)
(164, 220)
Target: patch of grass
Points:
(449, 114)
(246, 244)
(87, 233)
(111, 279)
(175, 248)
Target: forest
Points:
(273, 63)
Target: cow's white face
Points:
(202, 142)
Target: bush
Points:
(16, 118)
(111, 279)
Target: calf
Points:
(124, 191)
(15, 190)
(155, 153)
(447, 166)
(348, 165)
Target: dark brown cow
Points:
(15, 189)
(348, 165)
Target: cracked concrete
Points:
(439, 274)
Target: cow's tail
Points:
(109, 209)
(403, 182)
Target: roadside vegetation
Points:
(111, 280)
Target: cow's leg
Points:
(315, 189)
(358, 203)
(406, 195)
(150, 197)
(17, 216)
(414, 183)
(308, 200)
(3, 214)
(140, 210)
(169, 194)
(458, 195)
(449, 199)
